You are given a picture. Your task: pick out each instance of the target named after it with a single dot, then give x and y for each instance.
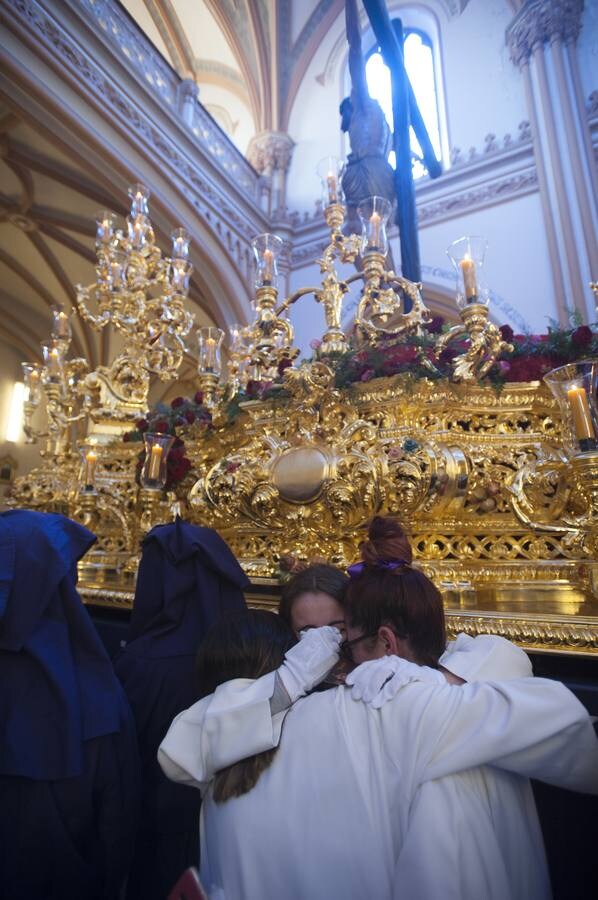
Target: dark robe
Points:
(69, 768)
(188, 578)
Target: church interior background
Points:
(224, 109)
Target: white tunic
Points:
(329, 818)
(498, 853)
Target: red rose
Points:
(582, 336)
(506, 332)
(178, 442)
(530, 368)
(282, 365)
(198, 398)
(161, 427)
(190, 416)
(142, 425)
(178, 401)
(434, 326)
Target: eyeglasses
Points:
(346, 648)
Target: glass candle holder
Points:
(266, 248)
(236, 344)
(117, 275)
(467, 256)
(574, 386)
(88, 469)
(374, 213)
(180, 243)
(330, 170)
(32, 378)
(53, 370)
(157, 448)
(138, 230)
(180, 275)
(61, 324)
(105, 226)
(139, 196)
(209, 341)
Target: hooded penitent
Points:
(188, 578)
(68, 760)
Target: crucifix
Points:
(368, 168)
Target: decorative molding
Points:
(488, 194)
(541, 22)
(492, 145)
(270, 151)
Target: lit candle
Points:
(470, 284)
(374, 236)
(210, 360)
(332, 190)
(117, 272)
(138, 232)
(153, 471)
(90, 468)
(582, 418)
(180, 243)
(61, 328)
(54, 363)
(105, 229)
(34, 378)
(268, 270)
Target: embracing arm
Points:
(530, 726)
(244, 717)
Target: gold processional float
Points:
(496, 480)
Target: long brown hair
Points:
(246, 645)
(401, 597)
(318, 579)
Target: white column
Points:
(541, 39)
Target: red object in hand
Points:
(188, 887)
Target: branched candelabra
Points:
(59, 381)
(142, 295)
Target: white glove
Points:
(379, 680)
(309, 661)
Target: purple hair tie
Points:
(357, 569)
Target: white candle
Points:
(90, 467)
(332, 188)
(268, 270)
(470, 284)
(374, 236)
(153, 471)
(580, 412)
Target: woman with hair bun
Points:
(391, 606)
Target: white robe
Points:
(450, 853)
(329, 818)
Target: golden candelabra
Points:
(499, 490)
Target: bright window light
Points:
(419, 63)
(15, 416)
